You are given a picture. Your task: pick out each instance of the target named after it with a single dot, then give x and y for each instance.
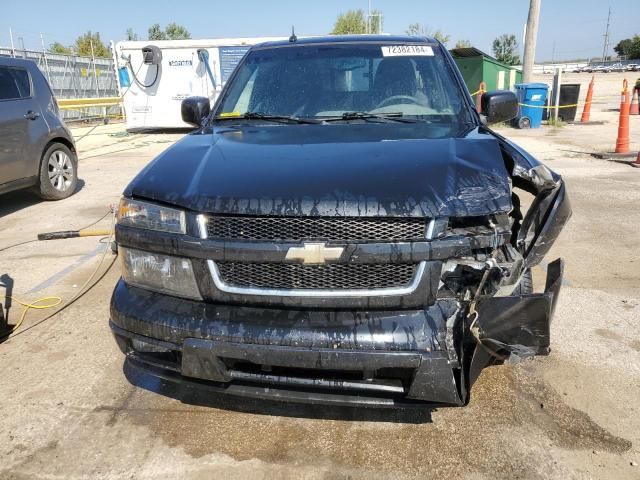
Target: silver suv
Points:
(36, 148)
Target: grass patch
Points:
(552, 122)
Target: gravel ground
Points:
(68, 410)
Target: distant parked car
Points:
(618, 67)
(36, 148)
(633, 67)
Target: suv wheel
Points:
(58, 173)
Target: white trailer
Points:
(152, 92)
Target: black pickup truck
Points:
(342, 228)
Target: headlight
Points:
(158, 272)
(151, 216)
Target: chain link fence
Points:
(73, 76)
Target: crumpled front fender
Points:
(543, 223)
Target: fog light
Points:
(158, 272)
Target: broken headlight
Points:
(134, 213)
(159, 272)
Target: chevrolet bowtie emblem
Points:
(314, 253)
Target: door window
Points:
(14, 83)
(22, 80)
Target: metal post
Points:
(13, 50)
(44, 58)
(95, 72)
(95, 75)
(64, 76)
(369, 19)
(557, 83)
(530, 40)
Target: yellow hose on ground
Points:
(55, 301)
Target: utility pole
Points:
(531, 37)
(606, 39)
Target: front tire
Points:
(58, 173)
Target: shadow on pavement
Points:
(15, 201)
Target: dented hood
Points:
(325, 170)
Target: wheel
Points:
(524, 122)
(58, 173)
(526, 284)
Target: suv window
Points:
(14, 83)
(22, 79)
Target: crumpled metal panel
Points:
(520, 325)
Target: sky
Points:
(568, 28)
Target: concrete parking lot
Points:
(69, 410)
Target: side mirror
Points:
(499, 106)
(194, 110)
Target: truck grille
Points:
(287, 276)
(295, 229)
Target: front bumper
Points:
(369, 358)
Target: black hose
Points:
(137, 80)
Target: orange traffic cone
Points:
(586, 111)
(622, 142)
(637, 162)
(633, 109)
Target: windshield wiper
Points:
(267, 117)
(394, 116)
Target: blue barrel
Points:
(531, 96)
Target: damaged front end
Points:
(501, 317)
(270, 326)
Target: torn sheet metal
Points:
(543, 223)
(520, 325)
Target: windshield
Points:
(328, 80)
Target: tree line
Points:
(354, 22)
(629, 47)
(90, 44)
